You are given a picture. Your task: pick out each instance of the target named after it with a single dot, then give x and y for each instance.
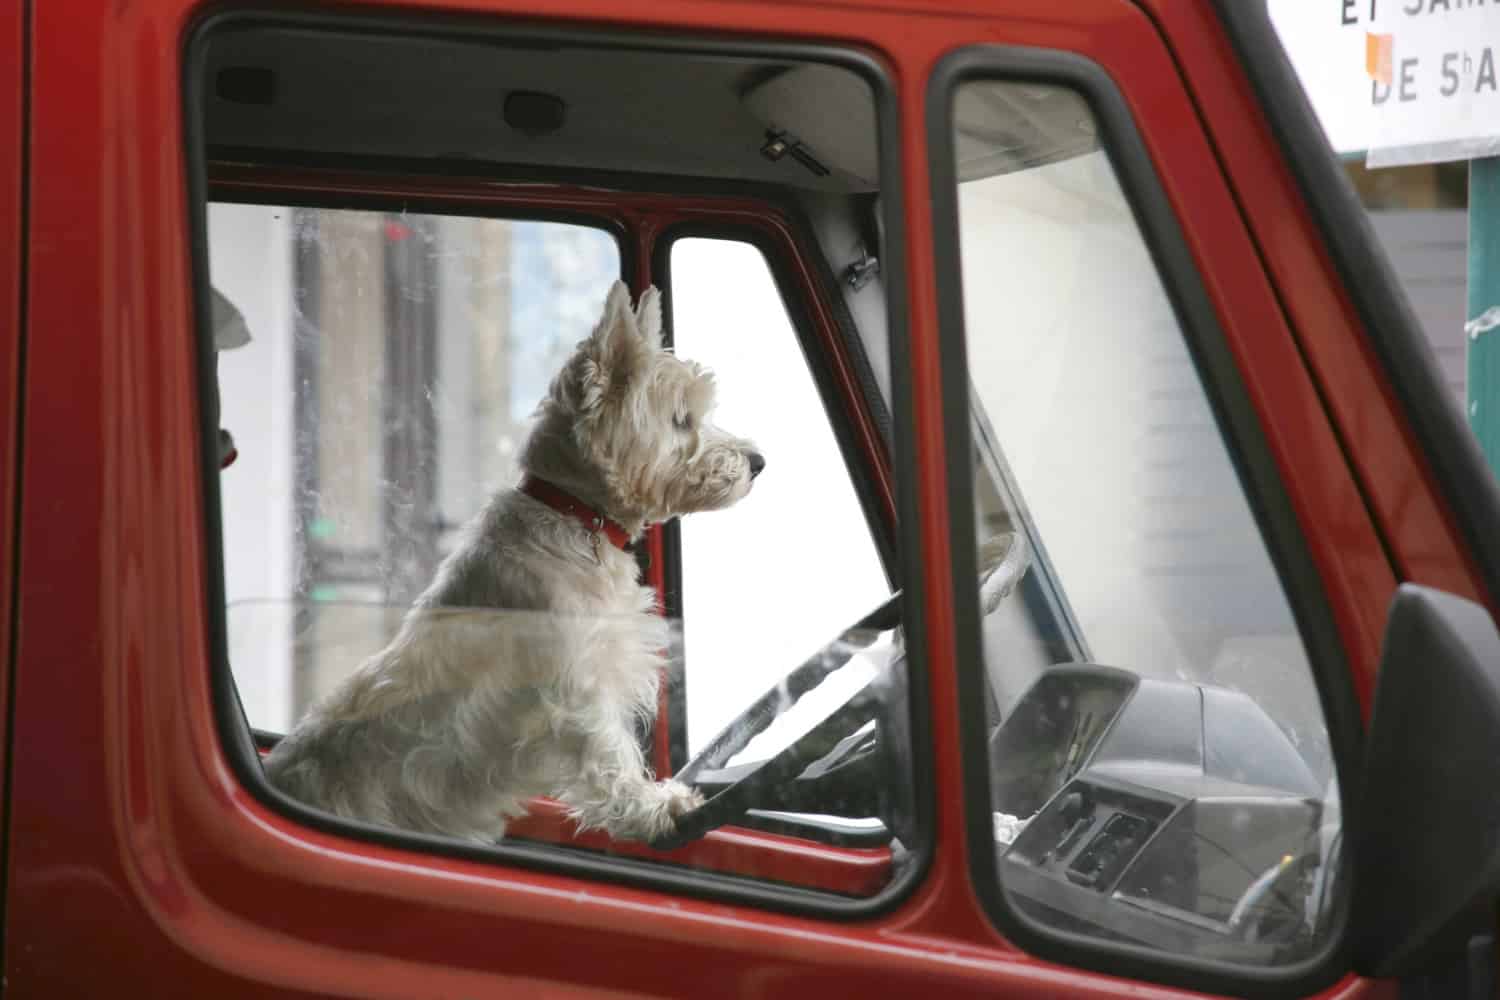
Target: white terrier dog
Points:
(468, 713)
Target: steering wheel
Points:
(1316, 862)
(839, 740)
(838, 747)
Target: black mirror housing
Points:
(1426, 845)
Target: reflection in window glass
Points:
(393, 362)
(1160, 767)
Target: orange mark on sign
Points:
(1378, 56)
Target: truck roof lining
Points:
(626, 110)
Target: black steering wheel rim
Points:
(732, 800)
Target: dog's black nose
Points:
(757, 462)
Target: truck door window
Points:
(1160, 771)
(395, 361)
(384, 347)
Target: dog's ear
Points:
(605, 360)
(615, 344)
(648, 317)
(617, 299)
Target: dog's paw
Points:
(680, 798)
(678, 801)
(674, 801)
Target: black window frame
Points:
(235, 737)
(1239, 427)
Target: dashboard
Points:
(1171, 814)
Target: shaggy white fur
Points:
(469, 712)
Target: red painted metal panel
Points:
(140, 864)
(12, 166)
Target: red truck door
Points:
(1067, 377)
(12, 280)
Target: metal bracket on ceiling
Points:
(780, 143)
(860, 273)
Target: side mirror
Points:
(1427, 842)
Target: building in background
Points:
(1419, 213)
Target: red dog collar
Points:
(566, 503)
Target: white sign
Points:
(1409, 81)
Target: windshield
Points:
(1097, 437)
(1159, 763)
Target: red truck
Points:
(280, 285)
